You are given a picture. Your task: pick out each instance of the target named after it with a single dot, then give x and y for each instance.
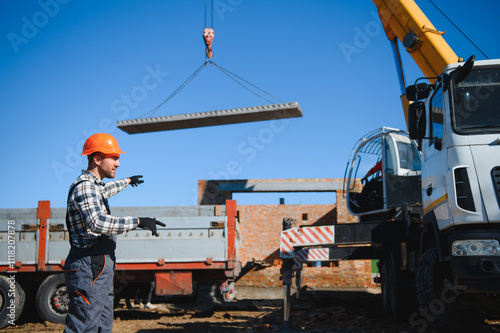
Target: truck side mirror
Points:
(416, 120)
(418, 91)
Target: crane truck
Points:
(427, 199)
(436, 191)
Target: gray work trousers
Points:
(89, 283)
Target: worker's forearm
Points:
(115, 186)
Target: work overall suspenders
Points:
(106, 204)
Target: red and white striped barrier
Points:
(305, 236)
(310, 255)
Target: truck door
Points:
(434, 192)
(402, 171)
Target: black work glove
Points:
(150, 224)
(134, 180)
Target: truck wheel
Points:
(440, 301)
(52, 300)
(384, 286)
(390, 292)
(397, 300)
(10, 293)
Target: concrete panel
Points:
(281, 186)
(211, 118)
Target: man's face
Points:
(107, 165)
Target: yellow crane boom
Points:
(404, 20)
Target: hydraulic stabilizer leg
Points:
(298, 282)
(286, 276)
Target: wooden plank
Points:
(211, 118)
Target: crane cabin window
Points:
(402, 156)
(409, 159)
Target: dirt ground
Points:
(332, 311)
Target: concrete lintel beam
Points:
(211, 118)
(282, 186)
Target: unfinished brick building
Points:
(260, 227)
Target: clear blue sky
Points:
(67, 68)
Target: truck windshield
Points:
(476, 102)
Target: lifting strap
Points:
(208, 35)
(238, 79)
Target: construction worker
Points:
(89, 267)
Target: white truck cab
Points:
(461, 147)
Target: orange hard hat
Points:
(103, 143)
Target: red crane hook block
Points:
(208, 35)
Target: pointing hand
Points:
(134, 180)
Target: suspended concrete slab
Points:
(211, 118)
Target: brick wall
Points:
(260, 227)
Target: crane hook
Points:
(208, 35)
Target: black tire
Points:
(442, 303)
(52, 300)
(8, 316)
(398, 301)
(384, 286)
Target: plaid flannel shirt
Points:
(87, 213)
